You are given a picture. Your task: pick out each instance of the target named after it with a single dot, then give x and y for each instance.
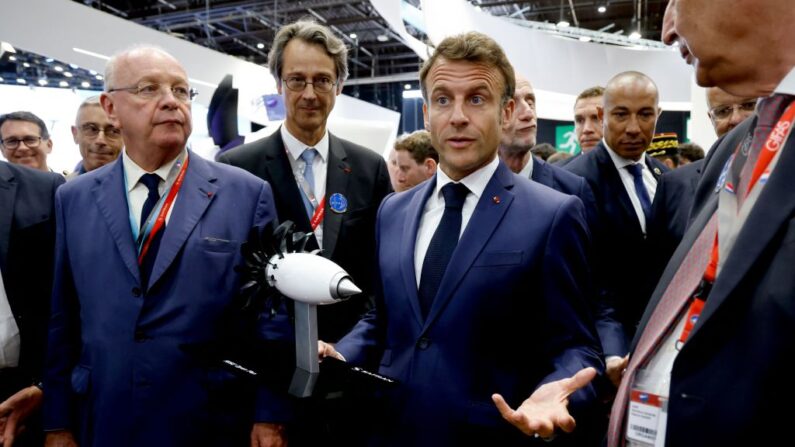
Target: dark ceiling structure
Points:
(245, 29)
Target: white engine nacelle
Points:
(309, 278)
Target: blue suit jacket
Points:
(621, 251)
(728, 376)
(116, 374)
(509, 316)
(564, 181)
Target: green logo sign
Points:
(566, 139)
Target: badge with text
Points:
(338, 203)
(647, 418)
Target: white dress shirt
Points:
(527, 170)
(629, 182)
(9, 331)
(137, 192)
(319, 167)
(434, 208)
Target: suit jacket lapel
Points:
(111, 196)
(336, 182)
(541, 172)
(485, 219)
(613, 179)
(408, 244)
(197, 192)
(8, 194)
(774, 207)
(276, 167)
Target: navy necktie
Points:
(151, 181)
(640, 189)
(443, 242)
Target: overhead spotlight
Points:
(12, 58)
(25, 64)
(602, 9)
(634, 35)
(49, 60)
(58, 68)
(21, 81)
(92, 72)
(585, 39)
(98, 77)
(42, 81)
(260, 45)
(67, 74)
(407, 86)
(63, 84)
(352, 35)
(562, 24)
(74, 66)
(382, 38)
(85, 84)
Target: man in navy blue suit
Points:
(623, 179)
(519, 136)
(146, 249)
(498, 320)
(721, 373)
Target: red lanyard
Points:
(773, 144)
(317, 217)
(161, 216)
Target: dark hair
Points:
(472, 47)
(418, 144)
(691, 151)
(29, 117)
(313, 33)
(543, 150)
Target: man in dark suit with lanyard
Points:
(623, 179)
(713, 349)
(27, 238)
(324, 184)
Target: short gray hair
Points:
(313, 33)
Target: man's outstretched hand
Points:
(547, 408)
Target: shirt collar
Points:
(622, 162)
(787, 85)
(295, 147)
(527, 170)
(134, 172)
(476, 182)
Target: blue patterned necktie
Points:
(308, 156)
(442, 245)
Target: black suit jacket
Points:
(27, 240)
(357, 173)
(730, 372)
(621, 250)
(564, 181)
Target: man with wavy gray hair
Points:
(326, 185)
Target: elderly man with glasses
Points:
(24, 140)
(98, 139)
(145, 258)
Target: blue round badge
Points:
(338, 203)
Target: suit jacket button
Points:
(423, 343)
(136, 291)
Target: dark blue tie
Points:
(151, 181)
(640, 189)
(444, 240)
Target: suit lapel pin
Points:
(346, 169)
(657, 171)
(496, 199)
(338, 203)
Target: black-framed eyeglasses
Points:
(30, 141)
(92, 131)
(322, 84)
(182, 93)
(724, 112)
